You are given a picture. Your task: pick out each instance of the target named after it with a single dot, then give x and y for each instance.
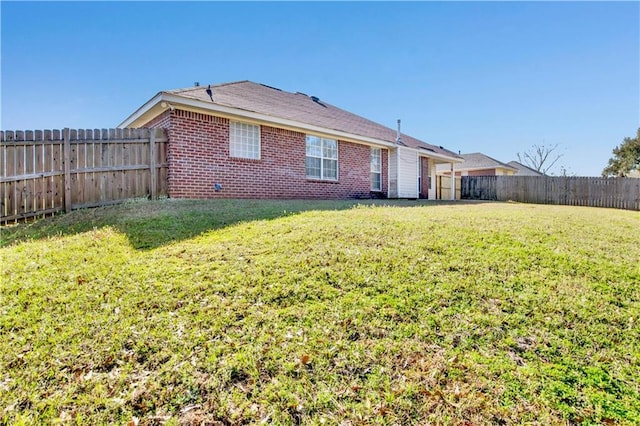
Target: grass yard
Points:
(322, 312)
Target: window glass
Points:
(313, 167)
(244, 140)
(376, 169)
(322, 158)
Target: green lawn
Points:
(323, 312)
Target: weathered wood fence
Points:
(620, 193)
(46, 171)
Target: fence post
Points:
(66, 153)
(152, 164)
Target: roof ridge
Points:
(200, 86)
(233, 82)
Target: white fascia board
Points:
(229, 112)
(141, 111)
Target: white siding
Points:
(407, 173)
(393, 174)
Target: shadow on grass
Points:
(151, 224)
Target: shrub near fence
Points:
(620, 193)
(48, 171)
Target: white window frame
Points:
(376, 168)
(322, 157)
(244, 140)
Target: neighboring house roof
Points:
(477, 161)
(524, 170)
(297, 108)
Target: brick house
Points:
(249, 140)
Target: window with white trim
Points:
(322, 158)
(376, 169)
(244, 140)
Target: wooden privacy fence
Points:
(48, 171)
(620, 193)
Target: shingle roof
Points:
(479, 161)
(263, 99)
(524, 170)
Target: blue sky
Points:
(491, 77)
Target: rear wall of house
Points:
(198, 157)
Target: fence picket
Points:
(100, 164)
(621, 193)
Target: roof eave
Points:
(140, 112)
(142, 116)
(152, 108)
(426, 152)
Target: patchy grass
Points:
(232, 312)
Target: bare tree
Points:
(540, 157)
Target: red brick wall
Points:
(198, 157)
